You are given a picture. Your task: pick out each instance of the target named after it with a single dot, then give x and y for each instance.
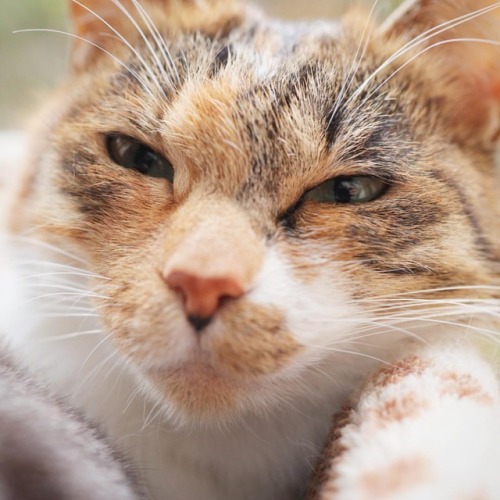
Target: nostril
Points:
(198, 322)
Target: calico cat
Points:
(48, 451)
(226, 221)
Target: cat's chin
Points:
(197, 394)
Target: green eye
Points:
(130, 153)
(354, 189)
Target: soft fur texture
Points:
(108, 273)
(426, 425)
(48, 451)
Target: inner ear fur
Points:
(98, 24)
(466, 73)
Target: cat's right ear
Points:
(460, 42)
(97, 25)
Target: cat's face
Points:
(255, 199)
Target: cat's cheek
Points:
(152, 338)
(314, 295)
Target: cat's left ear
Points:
(460, 42)
(103, 27)
(96, 25)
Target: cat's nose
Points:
(202, 295)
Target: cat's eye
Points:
(353, 189)
(130, 153)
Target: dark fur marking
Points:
(135, 70)
(482, 243)
(222, 56)
(402, 271)
(220, 61)
(127, 77)
(384, 267)
(77, 162)
(332, 126)
(93, 197)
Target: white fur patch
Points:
(318, 313)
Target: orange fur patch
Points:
(401, 475)
(464, 386)
(255, 342)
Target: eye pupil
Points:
(132, 154)
(145, 159)
(344, 191)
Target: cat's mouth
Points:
(214, 371)
(244, 341)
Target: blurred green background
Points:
(32, 63)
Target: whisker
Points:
(389, 323)
(136, 392)
(95, 371)
(442, 27)
(68, 294)
(398, 329)
(148, 44)
(346, 351)
(119, 376)
(93, 351)
(112, 370)
(68, 336)
(347, 82)
(159, 40)
(60, 286)
(77, 37)
(327, 375)
(467, 306)
(59, 274)
(46, 245)
(67, 315)
(152, 415)
(423, 51)
(455, 288)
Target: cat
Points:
(227, 221)
(48, 451)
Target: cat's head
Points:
(264, 198)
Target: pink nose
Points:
(202, 295)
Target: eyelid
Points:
(143, 141)
(299, 202)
